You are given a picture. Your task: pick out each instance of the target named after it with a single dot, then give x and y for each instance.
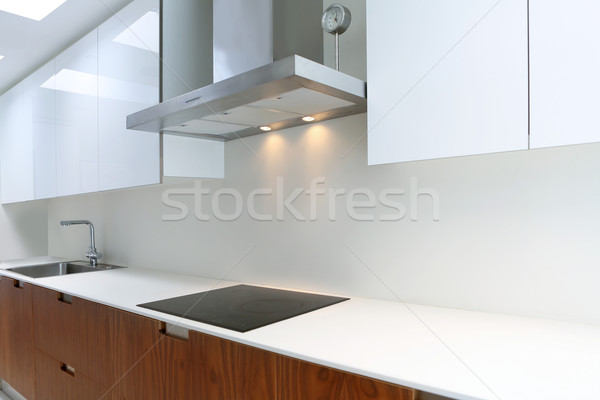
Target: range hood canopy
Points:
(275, 96)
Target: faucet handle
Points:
(93, 254)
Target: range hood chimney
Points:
(267, 75)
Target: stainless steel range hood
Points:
(275, 96)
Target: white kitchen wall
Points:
(23, 230)
(517, 233)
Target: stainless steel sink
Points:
(59, 268)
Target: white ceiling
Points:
(27, 44)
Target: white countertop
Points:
(455, 353)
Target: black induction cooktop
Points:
(242, 307)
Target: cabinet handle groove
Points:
(67, 369)
(174, 331)
(65, 298)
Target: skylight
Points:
(32, 9)
(142, 34)
(77, 82)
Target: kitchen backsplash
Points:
(512, 232)
(23, 230)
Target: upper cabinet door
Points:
(76, 87)
(16, 145)
(27, 151)
(42, 85)
(446, 78)
(62, 129)
(565, 64)
(128, 69)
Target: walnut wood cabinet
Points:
(223, 369)
(60, 348)
(117, 353)
(56, 380)
(148, 363)
(301, 380)
(73, 331)
(135, 367)
(17, 360)
(71, 340)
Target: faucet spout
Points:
(92, 253)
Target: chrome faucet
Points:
(92, 253)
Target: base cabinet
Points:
(124, 355)
(71, 337)
(228, 370)
(300, 380)
(133, 357)
(17, 360)
(57, 380)
(175, 356)
(148, 364)
(358, 387)
(61, 348)
(73, 331)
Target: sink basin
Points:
(59, 268)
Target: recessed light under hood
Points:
(276, 96)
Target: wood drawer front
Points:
(54, 325)
(92, 340)
(20, 369)
(147, 363)
(56, 382)
(161, 373)
(223, 369)
(73, 330)
(176, 358)
(135, 371)
(132, 338)
(360, 387)
(300, 380)
(18, 315)
(16, 337)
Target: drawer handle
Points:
(65, 298)
(18, 284)
(174, 331)
(67, 369)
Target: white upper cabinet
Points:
(446, 78)
(76, 90)
(62, 129)
(27, 151)
(128, 73)
(565, 65)
(16, 145)
(43, 130)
